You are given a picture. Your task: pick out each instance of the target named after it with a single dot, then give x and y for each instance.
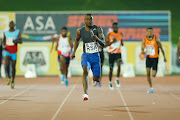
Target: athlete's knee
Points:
(111, 68)
(85, 71)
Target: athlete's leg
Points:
(119, 68)
(111, 65)
(155, 67)
(85, 79)
(154, 72)
(59, 61)
(63, 65)
(118, 73)
(101, 73)
(148, 70)
(7, 64)
(66, 67)
(13, 64)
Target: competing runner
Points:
(64, 47)
(178, 49)
(150, 46)
(114, 41)
(92, 36)
(101, 53)
(11, 39)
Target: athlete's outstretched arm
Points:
(143, 46)
(107, 40)
(4, 40)
(160, 47)
(19, 39)
(76, 43)
(178, 49)
(122, 43)
(70, 41)
(100, 38)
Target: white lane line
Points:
(169, 93)
(17, 94)
(107, 115)
(60, 107)
(125, 104)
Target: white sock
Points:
(117, 78)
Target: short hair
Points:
(64, 28)
(115, 23)
(88, 14)
(149, 28)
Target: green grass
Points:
(72, 5)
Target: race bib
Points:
(150, 50)
(65, 50)
(9, 42)
(116, 45)
(91, 47)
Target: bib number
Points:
(150, 50)
(9, 42)
(91, 47)
(116, 45)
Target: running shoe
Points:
(12, 85)
(150, 90)
(85, 97)
(111, 86)
(8, 81)
(117, 83)
(66, 83)
(94, 83)
(63, 79)
(99, 84)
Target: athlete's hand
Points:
(142, 52)
(114, 40)
(94, 37)
(15, 41)
(73, 56)
(165, 60)
(4, 47)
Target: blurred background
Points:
(39, 20)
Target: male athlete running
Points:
(114, 41)
(64, 47)
(11, 39)
(152, 45)
(92, 37)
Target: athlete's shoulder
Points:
(81, 28)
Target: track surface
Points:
(45, 98)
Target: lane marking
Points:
(17, 94)
(61, 105)
(169, 92)
(107, 115)
(125, 104)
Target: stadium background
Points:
(71, 6)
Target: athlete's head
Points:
(115, 27)
(88, 19)
(64, 31)
(11, 25)
(149, 31)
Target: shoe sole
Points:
(85, 98)
(117, 85)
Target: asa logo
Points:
(39, 25)
(34, 58)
